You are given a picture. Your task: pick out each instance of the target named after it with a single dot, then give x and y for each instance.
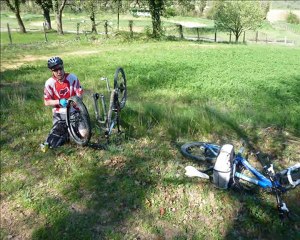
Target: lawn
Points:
(178, 91)
(220, 93)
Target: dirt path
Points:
(16, 63)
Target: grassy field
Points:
(177, 92)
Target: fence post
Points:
(198, 35)
(106, 27)
(215, 35)
(130, 28)
(77, 28)
(9, 34)
(230, 36)
(180, 31)
(45, 32)
(256, 37)
(244, 37)
(285, 40)
(266, 38)
(77, 31)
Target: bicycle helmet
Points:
(54, 61)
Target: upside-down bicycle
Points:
(107, 118)
(238, 172)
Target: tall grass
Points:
(177, 92)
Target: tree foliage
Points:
(14, 6)
(292, 18)
(238, 16)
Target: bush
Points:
(170, 12)
(292, 18)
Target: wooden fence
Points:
(176, 31)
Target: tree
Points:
(186, 6)
(46, 6)
(156, 8)
(238, 16)
(265, 8)
(14, 6)
(202, 6)
(90, 7)
(58, 7)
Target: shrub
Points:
(292, 18)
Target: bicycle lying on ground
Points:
(230, 169)
(107, 118)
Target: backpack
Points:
(223, 167)
(58, 134)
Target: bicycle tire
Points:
(198, 151)
(121, 86)
(78, 116)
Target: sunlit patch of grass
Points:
(177, 92)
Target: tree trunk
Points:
(237, 36)
(59, 24)
(16, 10)
(92, 17)
(46, 13)
(20, 23)
(155, 10)
(58, 12)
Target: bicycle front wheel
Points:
(78, 121)
(200, 151)
(120, 86)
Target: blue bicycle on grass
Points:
(230, 169)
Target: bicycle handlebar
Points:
(288, 173)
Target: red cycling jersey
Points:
(55, 90)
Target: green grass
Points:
(177, 92)
(213, 92)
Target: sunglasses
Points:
(57, 69)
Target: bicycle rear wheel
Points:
(78, 121)
(200, 151)
(120, 86)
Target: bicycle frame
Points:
(259, 179)
(267, 180)
(106, 119)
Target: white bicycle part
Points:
(190, 171)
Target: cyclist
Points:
(58, 88)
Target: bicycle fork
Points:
(100, 117)
(97, 96)
(281, 206)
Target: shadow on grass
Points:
(258, 219)
(101, 200)
(256, 216)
